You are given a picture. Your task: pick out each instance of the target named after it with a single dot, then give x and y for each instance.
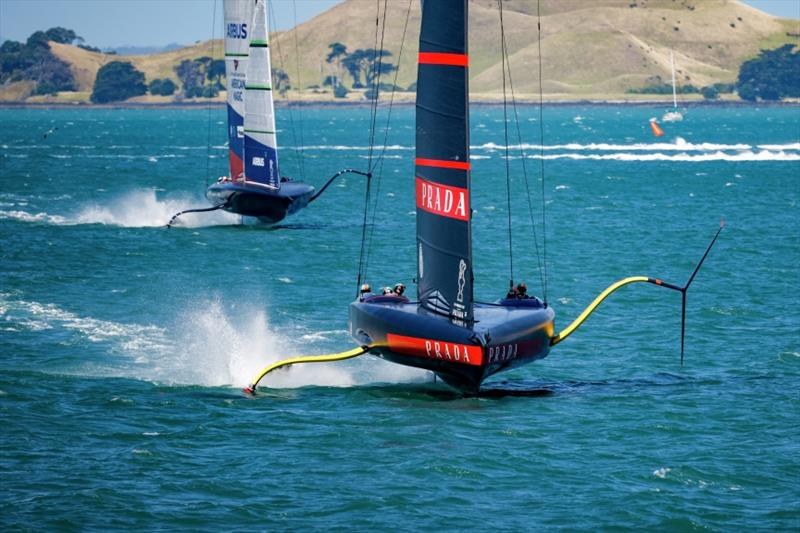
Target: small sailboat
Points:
(673, 115)
(445, 330)
(255, 187)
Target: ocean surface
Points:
(124, 345)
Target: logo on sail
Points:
(451, 202)
(462, 268)
(236, 31)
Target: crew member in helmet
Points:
(387, 291)
(365, 290)
(522, 291)
(399, 289)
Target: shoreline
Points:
(402, 103)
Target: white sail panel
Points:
(260, 146)
(238, 30)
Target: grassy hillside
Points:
(589, 49)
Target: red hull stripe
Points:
(433, 58)
(442, 200)
(443, 163)
(465, 354)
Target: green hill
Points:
(596, 49)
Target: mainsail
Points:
(260, 147)
(238, 27)
(444, 244)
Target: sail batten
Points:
(442, 171)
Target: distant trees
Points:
(369, 63)
(34, 61)
(773, 75)
(162, 87)
(117, 81)
(195, 73)
(280, 81)
(337, 53)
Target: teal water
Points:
(124, 345)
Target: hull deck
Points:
(267, 205)
(502, 337)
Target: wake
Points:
(205, 344)
(136, 209)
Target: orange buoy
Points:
(657, 131)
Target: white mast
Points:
(674, 95)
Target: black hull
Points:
(502, 337)
(267, 205)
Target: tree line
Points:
(772, 75)
(369, 62)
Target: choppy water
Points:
(124, 345)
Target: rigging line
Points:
(541, 144)
(299, 95)
(394, 84)
(208, 118)
(524, 166)
(379, 162)
(273, 31)
(367, 242)
(377, 56)
(363, 234)
(505, 129)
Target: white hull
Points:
(672, 116)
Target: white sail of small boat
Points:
(674, 115)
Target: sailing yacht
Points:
(444, 329)
(255, 186)
(673, 115)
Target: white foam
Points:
(763, 155)
(136, 209)
(208, 344)
(24, 216)
(661, 472)
(678, 145)
(35, 316)
(790, 146)
(142, 208)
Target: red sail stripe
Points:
(442, 200)
(433, 58)
(443, 163)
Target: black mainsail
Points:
(444, 244)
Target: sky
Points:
(114, 23)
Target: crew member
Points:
(365, 290)
(522, 291)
